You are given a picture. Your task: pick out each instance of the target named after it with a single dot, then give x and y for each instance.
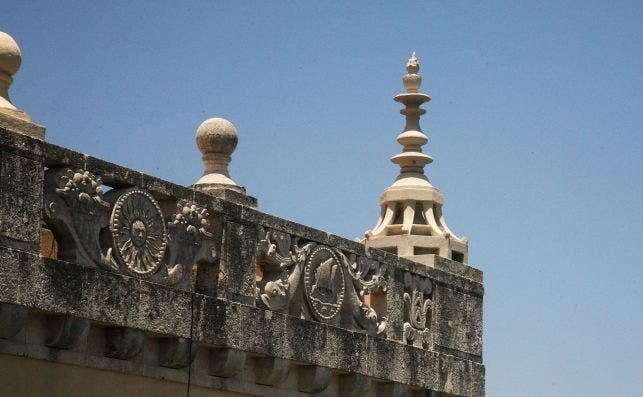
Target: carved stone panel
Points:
(417, 310)
(138, 232)
(318, 282)
(76, 212)
(324, 282)
(190, 241)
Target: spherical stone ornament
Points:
(138, 232)
(324, 283)
(10, 56)
(217, 135)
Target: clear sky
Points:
(535, 126)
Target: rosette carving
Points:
(138, 232)
(76, 212)
(189, 241)
(417, 310)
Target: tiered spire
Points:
(411, 222)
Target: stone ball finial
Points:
(217, 135)
(10, 56)
(217, 139)
(10, 59)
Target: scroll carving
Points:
(417, 310)
(76, 212)
(283, 260)
(318, 282)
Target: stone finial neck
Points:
(216, 163)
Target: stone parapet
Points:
(138, 275)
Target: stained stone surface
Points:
(20, 197)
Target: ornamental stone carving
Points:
(189, 241)
(283, 261)
(417, 310)
(134, 238)
(76, 212)
(314, 281)
(324, 283)
(138, 232)
(367, 276)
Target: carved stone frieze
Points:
(189, 241)
(318, 282)
(417, 310)
(138, 232)
(125, 230)
(76, 212)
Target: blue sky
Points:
(535, 127)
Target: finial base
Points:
(19, 122)
(235, 194)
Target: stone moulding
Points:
(318, 282)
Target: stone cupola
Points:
(411, 223)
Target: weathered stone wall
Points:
(157, 281)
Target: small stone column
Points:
(217, 139)
(12, 118)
